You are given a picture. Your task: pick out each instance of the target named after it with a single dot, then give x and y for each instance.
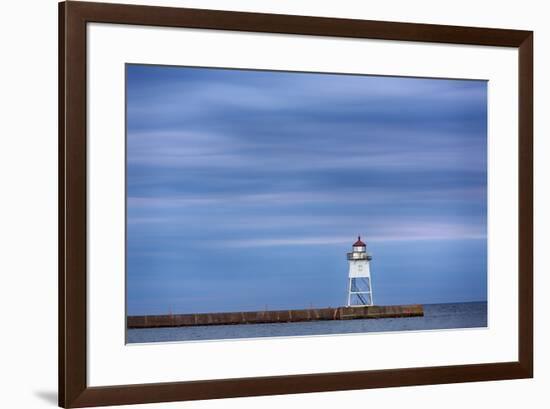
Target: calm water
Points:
(436, 316)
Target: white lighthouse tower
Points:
(359, 285)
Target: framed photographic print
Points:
(299, 202)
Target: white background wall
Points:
(28, 205)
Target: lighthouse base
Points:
(276, 316)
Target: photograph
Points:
(242, 205)
(275, 204)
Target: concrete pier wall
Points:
(262, 317)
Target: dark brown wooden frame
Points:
(73, 388)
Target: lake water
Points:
(436, 316)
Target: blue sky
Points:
(245, 189)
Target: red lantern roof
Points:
(359, 242)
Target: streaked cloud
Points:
(245, 177)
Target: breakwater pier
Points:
(275, 316)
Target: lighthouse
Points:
(359, 280)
